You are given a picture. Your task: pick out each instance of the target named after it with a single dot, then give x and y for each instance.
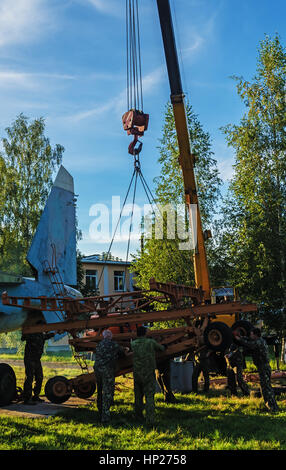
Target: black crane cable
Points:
(120, 215)
(137, 171)
(133, 53)
(152, 201)
(131, 220)
(134, 101)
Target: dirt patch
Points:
(46, 408)
(43, 409)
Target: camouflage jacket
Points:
(106, 354)
(234, 355)
(35, 344)
(144, 359)
(258, 349)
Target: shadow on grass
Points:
(194, 418)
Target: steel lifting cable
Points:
(133, 52)
(134, 90)
(134, 120)
(150, 196)
(148, 190)
(120, 215)
(137, 171)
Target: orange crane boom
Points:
(186, 157)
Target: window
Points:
(118, 280)
(91, 278)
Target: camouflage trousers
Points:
(144, 385)
(105, 380)
(232, 378)
(266, 388)
(33, 371)
(163, 377)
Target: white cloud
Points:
(21, 20)
(14, 79)
(196, 43)
(193, 37)
(95, 111)
(153, 78)
(110, 7)
(225, 168)
(118, 103)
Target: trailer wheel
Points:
(58, 389)
(218, 336)
(85, 390)
(243, 327)
(8, 390)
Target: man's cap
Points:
(107, 334)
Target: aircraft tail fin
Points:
(53, 249)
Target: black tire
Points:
(218, 336)
(8, 389)
(57, 389)
(243, 327)
(85, 390)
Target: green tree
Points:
(255, 209)
(163, 258)
(169, 185)
(27, 165)
(12, 340)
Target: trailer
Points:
(195, 324)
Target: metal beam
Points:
(138, 318)
(170, 47)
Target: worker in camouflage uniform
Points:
(235, 360)
(144, 365)
(106, 354)
(33, 368)
(259, 351)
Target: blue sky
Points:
(65, 60)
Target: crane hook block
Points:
(135, 122)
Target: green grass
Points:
(63, 357)
(196, 422)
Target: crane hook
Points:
(132, 149)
